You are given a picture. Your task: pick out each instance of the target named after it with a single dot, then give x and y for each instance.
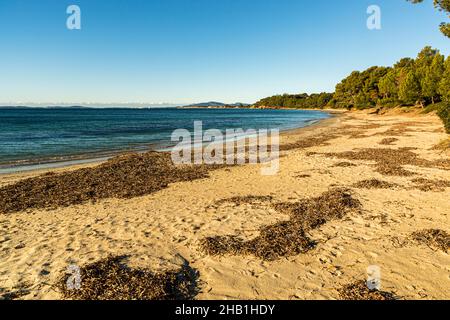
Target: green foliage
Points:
(360, 89)
(444, 84)
(409, 90)
(432, 107)
(444, 114)
(445, 29)
(433, 76)
(388, 85)
(422, 81)
(301, 101)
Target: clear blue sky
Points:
(187, 51)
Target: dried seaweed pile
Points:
(430, 185)
(375, 184)
(344, 164)
(388, 141)
(399, 129)
(358, 131)
(109, 279)
(309, 142)
(360, 291)
(287, 238)
(362, 126)
(121, 177)
(312, 213)
(303, 176)
(16, 293)
(240, 200)
(390, 161)
(434, 238)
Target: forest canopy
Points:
(422, 81)
(300, 101)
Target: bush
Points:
(444, 114)
(433, 107)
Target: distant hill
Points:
(215, 104)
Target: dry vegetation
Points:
(375, 184)
(287, 238)
(309, 142)
(360, 291)
(344, 164)
(240, 200)
(388, 141)
(399, 129)
(303, 176)
(390, 161)
(121, 177)
(433, 238)
(18, 292)
(427, 185)
(110, 279)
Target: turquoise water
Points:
(43, 135)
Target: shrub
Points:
(444, 114)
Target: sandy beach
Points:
(388, 164)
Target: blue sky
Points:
(185, 51)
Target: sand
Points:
(156, 230)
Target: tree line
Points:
(422, 81)
(299, 101)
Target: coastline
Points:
(155, 228)
(78, 161)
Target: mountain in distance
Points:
(215, 104)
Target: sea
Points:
(39, 137)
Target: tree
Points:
(409, 90)
(302, 101)
(431, 80)
(388, 85)
(423, 62)
(423, 80)
(444, 84)
(441, 5)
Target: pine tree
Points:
(388, 85)
(433, 74)
(444, 84)
(409, 91)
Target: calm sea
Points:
(30, 136)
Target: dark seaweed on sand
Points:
(390, 161)
(375, 184)
(427, 185)
(16, 293)
(344, 164)
(240, 200)
(360, 291)
(309, 142)
(433, 238)
(121, 177)
(111, 279)
(388, 141)
(287, 238)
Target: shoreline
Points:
(153, 229)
